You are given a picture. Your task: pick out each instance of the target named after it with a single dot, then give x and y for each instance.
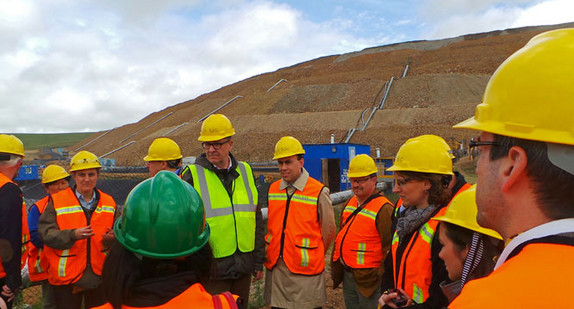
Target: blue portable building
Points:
(28, 172)
(329, 163)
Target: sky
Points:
(90, 65)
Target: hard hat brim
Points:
(476, 228)
(123, 239)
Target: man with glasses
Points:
(301, 226)
(11, 156)
(76, 228)
(525, 176)
(364, 238)
(227, 188)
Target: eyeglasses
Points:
(476, 143)
(360, 181)
(215, 145)
(402, 182)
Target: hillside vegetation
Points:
(55, 140)
(444, 82)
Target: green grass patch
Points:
(51, 140)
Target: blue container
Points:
(28, 172)
(329, 163)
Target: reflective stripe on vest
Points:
(418, 295)
(358, 243)
(62, 263)
(398, 207)
(37, 262)
(194, 297)
(232, 222)
(25, 237)
(294, 230)
(69, 265)
(415, 268)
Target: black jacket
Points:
(238, 264)
(11, 231)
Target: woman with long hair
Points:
(469, 251)
(162, 258)
(413, 270)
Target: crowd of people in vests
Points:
(194, 236)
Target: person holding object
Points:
(76, 227)
(413, 270)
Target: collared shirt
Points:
(325, 208)
(281, 279)
(228, 166)
(86, 204)
(546, 229)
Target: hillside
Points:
(324, 96)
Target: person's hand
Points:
(388, 296)
(108, 235)
(258, 275)
(83, 232)
(387, 299)
(3, 304)
(8, 293)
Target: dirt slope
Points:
(325, 96)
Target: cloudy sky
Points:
(87, 65)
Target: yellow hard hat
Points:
(362, 165)
(424, 156)
(163, 149)
(215, 127)
(11, 144)
(84, 160)
(53, 173)
(462, 212)
(438, 139)
(530, 95)
(287, 146)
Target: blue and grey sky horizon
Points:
(80, 66)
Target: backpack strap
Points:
(228, 297)
(217, 302)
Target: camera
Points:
(400, 300)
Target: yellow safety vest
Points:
(232, 221)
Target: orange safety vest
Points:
(25, 236)
(516, 283)
(194, 297)
(464, 187)
(415, 268)
(25, 233)
(37, 262)
(294, 230)
(360, 246)
(67, 266)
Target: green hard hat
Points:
(163, 218)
